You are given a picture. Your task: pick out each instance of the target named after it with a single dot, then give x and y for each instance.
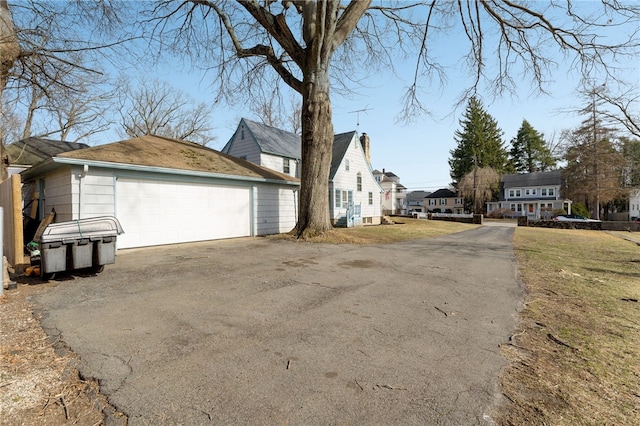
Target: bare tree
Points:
(273, 113)
(314, 46)
(156, 108)
(479, 185)
(9, 52)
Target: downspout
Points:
(85, 170)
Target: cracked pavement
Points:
(265, 331)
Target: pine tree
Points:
(529, 152)
(479, 143)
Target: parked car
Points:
(573, 218)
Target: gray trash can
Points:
(78, 244)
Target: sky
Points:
(418, 153)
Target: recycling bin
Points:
(78, 244)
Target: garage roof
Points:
(166, 153)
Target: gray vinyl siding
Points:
(246, 148)
(96, 194)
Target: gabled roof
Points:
(162, 153)
(442, 193)
(417, 195)
(341, 143)
(532, 179)
(272, 140)
(32, 151)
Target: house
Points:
(535, 195)
(354, 192)
(634, 204)
(27, 152)
(266, 146)
(394, 196)
(415, 201)
(165, 191)
(444, 201)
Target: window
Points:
(518, 193)
(443, 201)
(512, 193)
(337, 198)
(346, 164)
(551, 192)
(371, 198)
(458, 200)
(543, 192)
(512, 207)
(533, 191)
(432, 202)
(286, 167)
(345, 199)
(526, 192)
(359, 181)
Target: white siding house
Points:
(266, 146)
(354, 192)
(165, 191)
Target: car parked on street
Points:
(573, 218)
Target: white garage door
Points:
(155, 212)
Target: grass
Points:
(574, 359)
(404, 229)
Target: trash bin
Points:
(78, 244)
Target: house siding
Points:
(276, 209)
(276, 162)
(96, 194)
(59, 194)
(346, 180)
(246, 148)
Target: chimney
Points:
(365, 141)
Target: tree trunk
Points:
(317, 143)
(9, 51)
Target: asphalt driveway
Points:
(260, 331)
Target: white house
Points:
(354, 192)
(394, 196)
(165, 191)
(535, 195)
(634, 204)
(266, 146)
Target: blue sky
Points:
(418, 153)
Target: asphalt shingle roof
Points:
(157, 151)
(272, 140)
(532, 179)
(341, 143)
(32, 151)
(442, 193)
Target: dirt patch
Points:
(38, 385)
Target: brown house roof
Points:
(157, 151)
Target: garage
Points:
(165, 191)
(164, 212)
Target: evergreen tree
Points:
(529, 152)
(479, 143)
(631, 152)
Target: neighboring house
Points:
(266, 146)
(28, 152)
(634, 204)
(394, 196)
(444, 201)
(165, 191)
(415, 201)
(354, 192)
(350, 175)
(535, 195)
